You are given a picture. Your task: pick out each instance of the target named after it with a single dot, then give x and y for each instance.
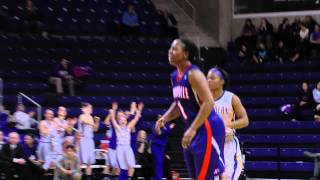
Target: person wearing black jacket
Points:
(12, 158)
(304, 101)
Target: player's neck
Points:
(183, 66)
(217, 94)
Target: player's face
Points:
(62, 111)
(122, 121)
(87, 109)
(214, 81)
(49, 115)
(176, 53)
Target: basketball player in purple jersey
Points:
(203, 139)
(229, 107)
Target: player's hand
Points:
(187, 138)
(159, 124)
(96, 118)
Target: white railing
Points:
(39, 112)
(186, 3)
(1, 92)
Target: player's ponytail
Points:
(192, 49)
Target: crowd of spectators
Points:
(291, 41)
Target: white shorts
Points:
(125, 157)
(87, 148)
(111, 158)
(233, 159)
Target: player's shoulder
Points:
(173, 73)
(229, 93)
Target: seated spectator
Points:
(304, 101)
(310, 23)
(304, 40)
(169, 24)
(32, 18)
(281, 53)
(315, 40)
(295, 26)
(143, 155)
(248, 34)
(69, 167)
(12, 158)
(284, 32)
(244, 55)
(295, 54)
(130, 21)
(261, 54)
(265, 33)
(24, 121)
(62, 75)
(316, 98)
(33, 164)
(2, 140)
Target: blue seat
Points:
(284, 139)
(293, 152)
(261, 152)
(296, 166)
(261, 166)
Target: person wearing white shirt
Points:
(24, 121)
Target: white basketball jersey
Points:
(223, 107)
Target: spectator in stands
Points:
(304, 101)
(69, 167)
(33, 164)
(12, 158)
(310, 23)
(295, 26)
(2, 140)
(130, 21)
(24, 121)
(143, 155)
(261, 54)
(284, 32)
(244, 55)
(169, 24)
(295, 54)
(281, 52)
(316, 98)
(62, 74)
(248, 34)
(304, 40)
(265, 32)
(315, 40)
(32, 18)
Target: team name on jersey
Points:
(222, 110)
(181, 92)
